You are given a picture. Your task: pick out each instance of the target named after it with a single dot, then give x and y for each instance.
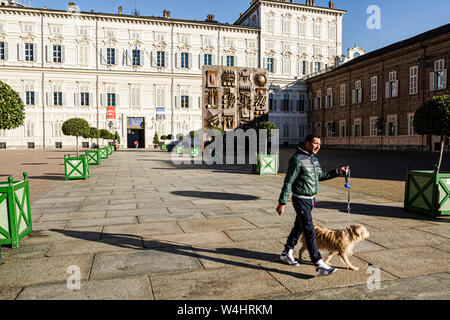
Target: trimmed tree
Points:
(433, 118)
(12, 110)
(156, 139)
(95, 133)
(75, 127)
(104, 134)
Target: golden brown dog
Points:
(337, 241)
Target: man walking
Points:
(303, 176)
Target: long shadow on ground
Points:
(215, 195)
(127, 240)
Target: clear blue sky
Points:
(400, 19)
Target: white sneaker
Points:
(288, 258)
(322, 269)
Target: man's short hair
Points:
(310, 138)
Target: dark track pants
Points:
(304, 224)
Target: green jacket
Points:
(303, 176)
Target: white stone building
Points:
(67, 64)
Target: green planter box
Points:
(93, 157)
(164, 147)
(266, 165)
(180, 149)
(76, 167)
(427, 192)
(109, 149)
(15, 211)
(195, 152)
(104, 154)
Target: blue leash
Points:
(348, 187)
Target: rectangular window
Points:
(185, 60)
(57, 58)
(270, 65)
(392, 85)
(286, 102)
(111, 99)
(29, 52)
(29, 98)
(84, 55)
(84, 99)
(342, 100)
(30, 129)
(160, 101)
(251, 44)
(286, 131)
(208, 59)
(343, 129)
(270, 45)
(301, 131)
(357, 128)
(318, 104)
(230, 61)
(160, 59)
(271, 102)
(270, 24)
(304, 64)
(286, 65)
(57, 99)
(440, 75)
(330, 98)
(317, 30)
(373, 88)
(135, 96)
(332, 32)
(301, 103)
(111, 56)
(286, 26)
(136, 57)
(373, 126)
(411, 131)
(357, 92)
(391, 125)
(184, 38)
(302, 29)
(184, 101)
(2, 51)
(317, 66)
(251, 61)
(413, 80)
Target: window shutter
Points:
(265, 63)
(190, 60)
(47, 98)
(214, 60)
(387, 93)
(360, 95)
(20, 51)
(103, 99)
(236, 61)
(22, 97)
(176, 60)
(63, 54)
(151, 59)
(274, 65)
(445, 78)
(36, 98)
(200, 57)
(125, 58)
(35, 51)
(353, 96)
(49, 54)
(64, 99)
(223, 60)
(102, 56)
(117, 100)
(6, 51)
(432, 88)
(76, 99)
(91, 102)
(142, 58)
(395, 88)
(116, 56)
(190, 102)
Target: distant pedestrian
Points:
(303, 176)
(136, 144)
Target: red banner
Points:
(110, 113)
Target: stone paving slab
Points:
(215, 224)
(171, 217)
(187, 239)
(439, 230)
(409, 262)
(226, 283)
(136, 212)
(48, 217)
(303, 278)
(144, 262)
(130, 288)
(404, 238)
(428, 287)
(50, 235)
(19, 272)
(101, 222)
(142, 230)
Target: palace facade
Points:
(138, 75)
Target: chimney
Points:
(166, 14)
(311, 3)
(120, 10)
(72, 6)
(331, 5)
(210, 18)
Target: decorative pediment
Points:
(184, 47)
(317, 57)
(271, 14)
(2, 35)
(317, 19)
(231, 50)
(251, 51)
(303, 55)
(136, 43)
(57, 39)
(208, 49)
(83, 39)
(28, 37)
(302, 18)
(270, 53)
(286, 54)
(160, 45)
(110, 42)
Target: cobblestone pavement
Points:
(143, 228)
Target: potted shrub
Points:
(95, 134)
(76, 167)
(76, 127)
(429, 191)
(104, 152)
(156, 140)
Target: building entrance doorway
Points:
(136, 132)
